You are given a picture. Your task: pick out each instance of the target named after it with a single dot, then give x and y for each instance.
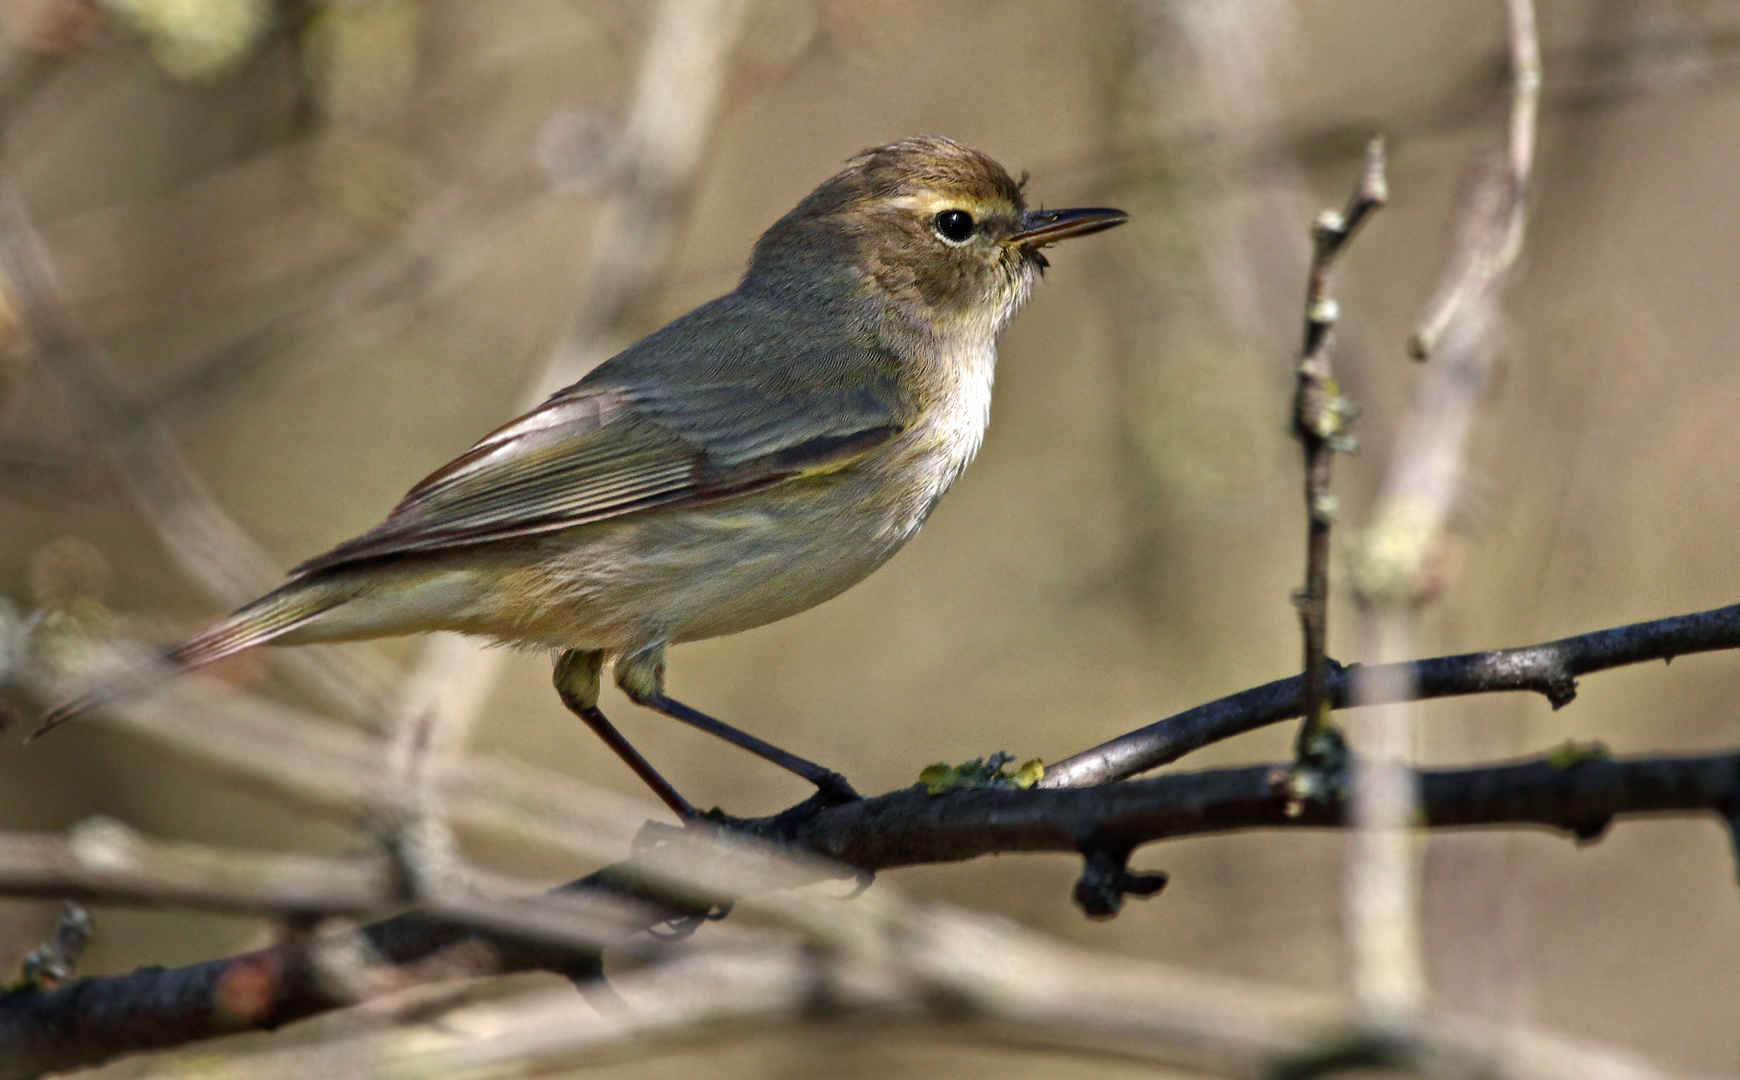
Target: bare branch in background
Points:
(1392, 571)
(104, 861)
(951, 977)
(670, 120)
(896, 963)
(330, 769)
(797, 950)
(1396, 554)
(1490, 247)
(208, 546)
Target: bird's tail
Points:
(272, 616)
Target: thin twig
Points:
(1321, 420)
(1482, 266)
(1550, 669)
(51, 963)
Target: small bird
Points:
(753, 458)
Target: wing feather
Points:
(689, 413)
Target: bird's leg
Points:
(827, 780)
(642, 676)
(576, 681)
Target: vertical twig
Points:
(1381, 883)
(1394, 568)
(1478, 268)
(1322, 419)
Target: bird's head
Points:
(936, 230)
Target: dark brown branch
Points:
(1550, 669)
(909, 828)
(99, 1019)
(1322, 419)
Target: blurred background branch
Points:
(209, 547)
(1397, 566)
(316, 248)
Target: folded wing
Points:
(636, 435)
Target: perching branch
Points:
(97, 1019)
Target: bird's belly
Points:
(698, 572)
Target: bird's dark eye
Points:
(955, 226)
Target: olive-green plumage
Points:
(749, 460)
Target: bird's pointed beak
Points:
(1042, 227)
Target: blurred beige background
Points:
(1125, 545)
